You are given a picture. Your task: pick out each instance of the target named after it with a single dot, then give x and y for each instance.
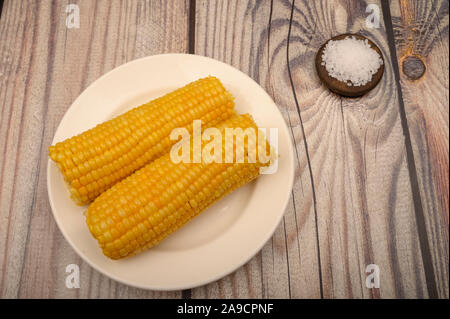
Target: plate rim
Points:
(219, 275)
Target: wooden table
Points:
(371, 180)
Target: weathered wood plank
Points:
(421, 30)
(44, 67)
(239, 33)
(357, 157)
(364, 210)
(352, 202)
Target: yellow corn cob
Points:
(100, 157)
(143, 209)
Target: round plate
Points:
(219, 240)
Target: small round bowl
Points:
(340, 87)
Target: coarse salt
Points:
(351, 60)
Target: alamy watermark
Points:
(231, 145)
(373, 276)
(73, 17)
(73, 278)
(373, 19)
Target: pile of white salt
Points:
(351, 61)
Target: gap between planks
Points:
(418, 208)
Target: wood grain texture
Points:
(237, 32)
(359, 197)
(45, 66)
(352, 202)
(421, 31)
(357, 157)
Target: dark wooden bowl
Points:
(340, 87)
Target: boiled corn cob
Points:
(100, 157)
(143, 209)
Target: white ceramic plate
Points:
(222, 238)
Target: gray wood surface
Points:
(371, 179)
(421, 30)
